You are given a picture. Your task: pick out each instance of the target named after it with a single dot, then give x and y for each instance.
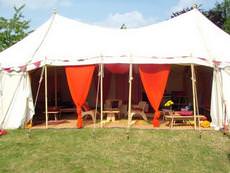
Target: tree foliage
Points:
(217, 14)
(227, 16)
(220, 14)
(177, 13)
(14, 29)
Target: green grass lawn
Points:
(109, 150)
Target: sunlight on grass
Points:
(109, 150)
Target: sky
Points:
(107, 13)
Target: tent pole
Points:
(1, 95)
(193, 94)
(97, 96)
(218, 98)
(46, 98)
(197, 104)
(130, 93)
(102, 75)
(55, 86)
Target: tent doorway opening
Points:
(116, 87)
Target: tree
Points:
(217, 15)
(220, 14)
(14, 29)
(227, 16)
(177, 13)
(227, 25)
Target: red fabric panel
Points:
(106, 85)
(79, 79)
(122, 87)
(154, 78)
(117, 68)
(136, 89)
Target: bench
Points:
(67, 110)
(53, 111)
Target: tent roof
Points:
(188, 38)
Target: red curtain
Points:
(154, 78)
(79, 79)
(117, 68)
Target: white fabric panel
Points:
(226, 92)
(16, 100)
(217, 106)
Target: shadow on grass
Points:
(227, 135)
(228, 157)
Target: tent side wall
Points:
(225, 73)
(16, 102)
(220, 98)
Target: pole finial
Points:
(123, 26)
(194, 6)
(54, 11)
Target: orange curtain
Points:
(154, 78)
(79, 79)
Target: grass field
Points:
(109, 150)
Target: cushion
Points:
(185, 113)
(3, 132)
(53, 108)
(115, 104)
(85, 107)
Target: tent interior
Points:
(116, 86)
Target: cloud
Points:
(181, 4)
(36, 4)
(131, 19)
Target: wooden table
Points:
(111, 114)
(172, 118)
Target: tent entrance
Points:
(178, 88)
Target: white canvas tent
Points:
(187, 39)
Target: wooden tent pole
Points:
(102, 75)
(46, 98)
(193, 94)
(97, 96)
(55, 87)
(196, 97)
(130, 93)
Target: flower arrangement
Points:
(169, 103)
